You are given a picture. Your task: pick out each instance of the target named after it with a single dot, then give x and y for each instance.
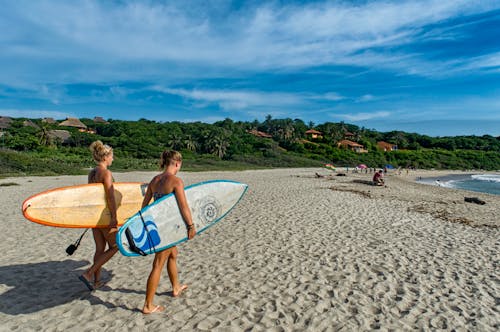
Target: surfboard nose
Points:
(26, 205)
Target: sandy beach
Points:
(299, 253)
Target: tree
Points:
(44, 136)
(175, 141)
(189, 143)
(218, 143)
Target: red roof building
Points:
(386, 146)
(314, 133)
(353, 146)
(259, 133)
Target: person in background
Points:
(378, 178)
(103, 156)
(163, 184)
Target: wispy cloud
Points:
(355, 60)
(129, 34)
(364, 116)
(33, 113)
(234, 99)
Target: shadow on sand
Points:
(39, 286)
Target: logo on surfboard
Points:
(209, 209)
(145, 235)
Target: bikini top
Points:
(157, 196)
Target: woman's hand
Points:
(191, 231)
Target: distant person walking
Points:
(103, 156)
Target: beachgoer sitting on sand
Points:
(161, 185)
(378, 178)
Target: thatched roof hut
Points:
(49, 120)
(314, 133)
(5, 122)
(73, 122)
(99, 119)
(29, 123)
(62, 135)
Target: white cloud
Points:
(366, 98)
(35, 114)
(128, 35)
(333, 96)
(364, 116)
(235, 100)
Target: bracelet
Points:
(190, 226)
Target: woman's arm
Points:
(147, 196)
(180, 196)
(109, 190)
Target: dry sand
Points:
(299, 253)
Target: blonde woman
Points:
(103, 156)
(163, 184)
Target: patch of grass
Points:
(55, 162)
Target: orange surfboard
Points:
(83, 206)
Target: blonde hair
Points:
(169, 157)
(100, 150)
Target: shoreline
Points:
(299, 252)
(450, 180)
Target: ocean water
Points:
(484, 183)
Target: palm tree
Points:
(399, 138)
(268, 123)
(218, 144)
(189, 143)
(44, 135)
(175, 141)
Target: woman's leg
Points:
(177, 288)
(105, 256)
(100, 246)
(154, 280)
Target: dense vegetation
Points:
(30, 149)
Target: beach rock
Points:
(474, 200)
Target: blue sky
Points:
(430, 66)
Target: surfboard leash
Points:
(72, 247)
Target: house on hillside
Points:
(311, 133)
(348, 135)
(99, 119)
(49, 120)
(62, 135)
(74, 122)
(386, 146)
(5, 122)
(353, 146)
(29, 123)
(259, 133)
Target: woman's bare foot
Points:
(156, 308)
(177, 292)
(99, 284)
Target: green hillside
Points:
(34, 146)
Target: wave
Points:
(487, 177)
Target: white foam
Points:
(487, 177)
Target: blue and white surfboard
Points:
(159, 225)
